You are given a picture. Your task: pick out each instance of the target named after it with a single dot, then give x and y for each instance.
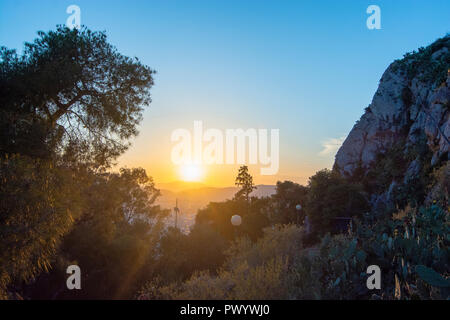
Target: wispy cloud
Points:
(331, 145)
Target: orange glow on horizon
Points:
(191, 173)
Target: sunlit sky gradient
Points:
(308, 68)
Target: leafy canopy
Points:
(75, 91)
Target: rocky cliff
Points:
(404, 132)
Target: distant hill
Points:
(177, 186)
(193, 196)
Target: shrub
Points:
(411, 249)
(400, 247)
(252, 271)
(332, 196)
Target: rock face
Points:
(412, 101)
(403, 136)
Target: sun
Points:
(191, 172)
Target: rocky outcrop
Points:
(404, 133)
(412, 99)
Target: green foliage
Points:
(277, 266)
(262, 282)
(339, 268)
(252, 271)
(397, 246)
(75, 91)
(255, 216)
(432, 277)
(439, 185)
(390, 165)
(288, 195)
(181, 255)
(280, 240)
(332, 196)
(35, 213)
(218, 215)
(421, 64)
(114, 240)
(257, 213)
(245, 181)
(68, 106)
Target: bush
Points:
(35, 199)
(181, 255)
(332, 196)
(252, 271)
(412, 250)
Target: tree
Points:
(218, 215)
(182, 255)
(114, 241)
(245, 181)
(73, 93)
(69, 105)
(288, 195)
(332, 196)
(38, 205)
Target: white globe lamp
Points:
(236, 220)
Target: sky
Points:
(307, 68)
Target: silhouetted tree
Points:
(332, 196)
(287, 196)
(73, 90)
(245, 181)
(69, 104)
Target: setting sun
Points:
(191, 172)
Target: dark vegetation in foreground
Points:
(70, 105)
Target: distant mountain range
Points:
(193, 196)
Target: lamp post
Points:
(298, 207)
(236, 221)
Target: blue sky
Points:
(308, 68)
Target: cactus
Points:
(361, 256)
(432, 277)
(402, 257)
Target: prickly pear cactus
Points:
(432, 277)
